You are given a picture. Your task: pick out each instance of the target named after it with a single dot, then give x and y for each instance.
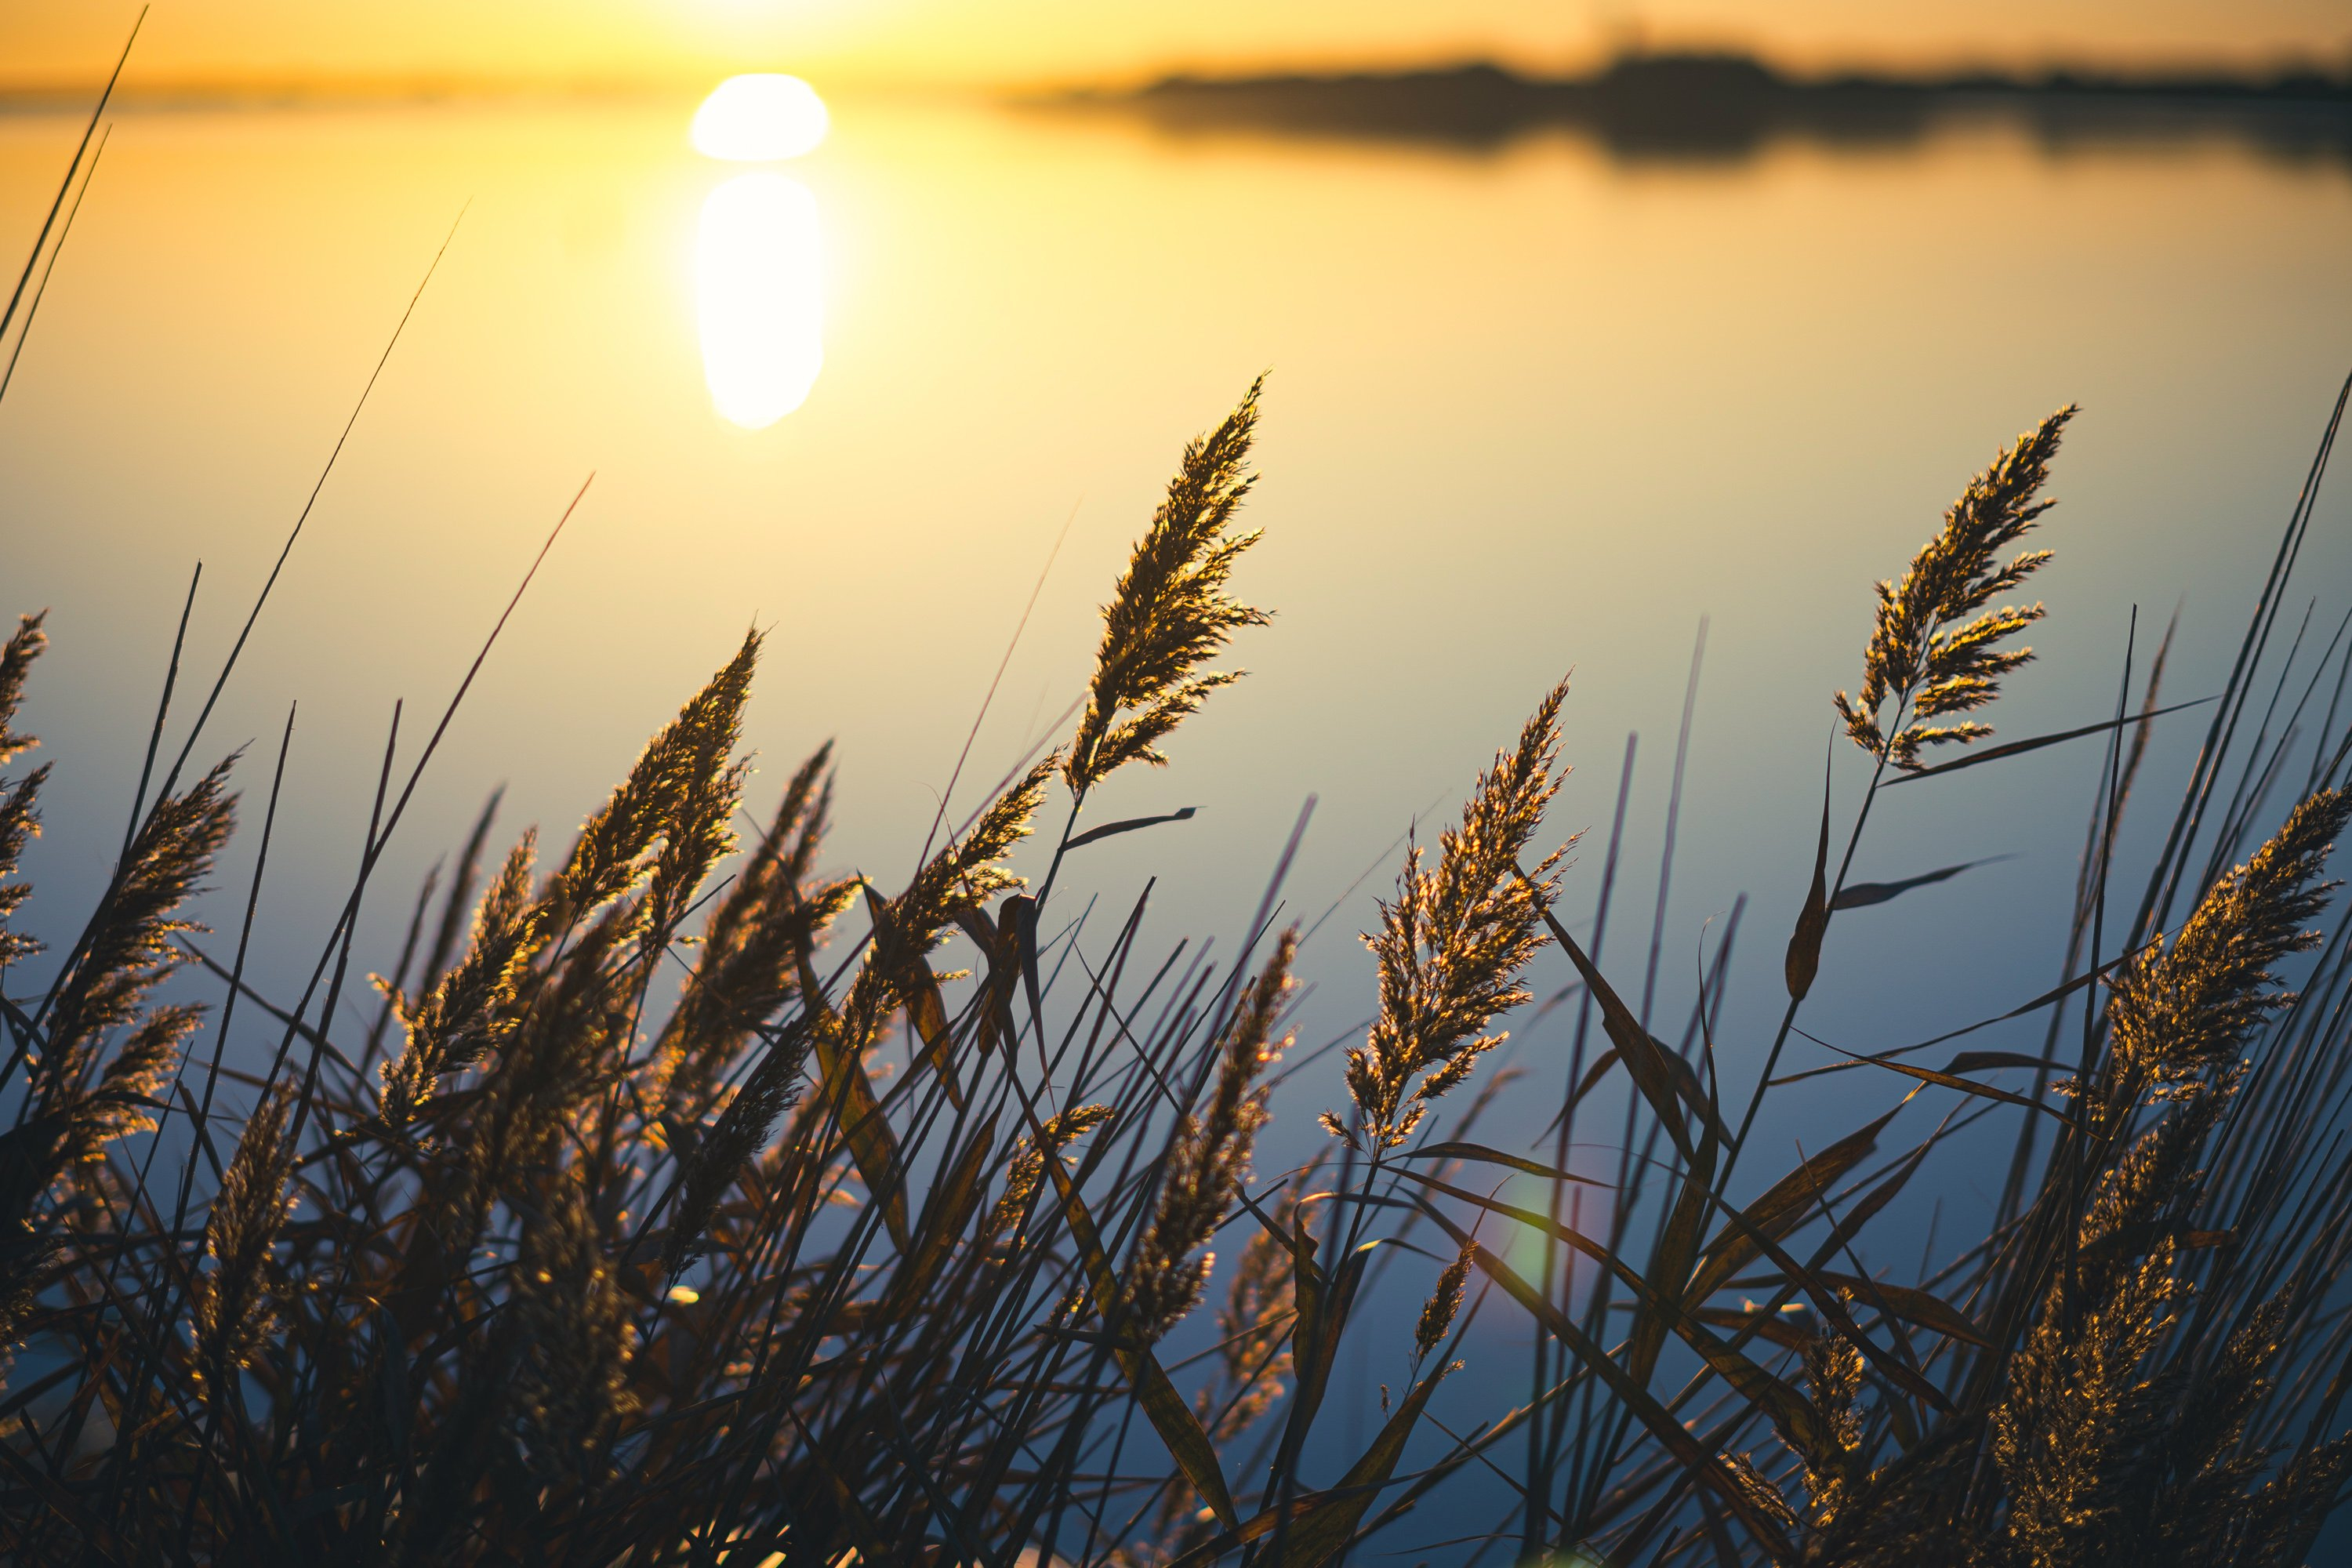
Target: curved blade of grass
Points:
(2034, 743)
(1707, 1469)
(850, 1092)
(1783, 1206)
(1671, 1261)
(1782, 1404)
(1911, 1304)
(1326, 1530)
(1790, 1331)
(1861, 895)
(2057, 993)
(1188, 1442)
(1110, 829)
(97, 112)
(1804, 958)
(1948, 1080)
(1480, 1153)
(1650, 1064)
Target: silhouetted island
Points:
(1718, 104)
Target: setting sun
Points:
(760, 118)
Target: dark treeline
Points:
(1711, 104)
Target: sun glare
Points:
(760, 118)
(759, 295)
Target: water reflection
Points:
(759, 295)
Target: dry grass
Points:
(612, 1242)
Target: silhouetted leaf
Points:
(1702, 1466)
(856, 1107)
(1984, 1061)
(1321, 1532)
(1109, 828)
(1483, 1155)
(1913, 1305)
(2034, 743)
(1783, 1206)
(1861, 895)
(1179, 1427)
(1804, 958)
(1947, 1081)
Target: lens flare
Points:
(759, 295)
(760, 118)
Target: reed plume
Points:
(679, 782)
(131, 946)
(747, 966)
(572, 1385)
(1029, 1164)
(712, 1161)
(1454, 941)
(2181, 1012)
(964, 874)
(957, 880)
(2094, 1435)
(1171, 612)
(120, 1104)
(707, 782)
(1210, 1158)
(20, 817)
(467, 1012)
(1436, 1319)
(1922, 655)
(1253, 1325)
(235, 1303)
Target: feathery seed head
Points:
(669, 797)
(1454, 941)
(1029, 1164)
(1209, 1159)
(469, 1009)
(24, 645)
(121, 1103)
(1922, 654)
(1437, 1312)
(577, 1337)
(2182, 1011)
(130, 948)
(234, 1304)
(749, 964)
(963, 876)
(1171, 612)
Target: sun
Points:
(760, 118)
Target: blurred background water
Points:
(1535, 406)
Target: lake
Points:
(1533, 407)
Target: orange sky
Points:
(1001, 41)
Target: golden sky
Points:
(1005, 41)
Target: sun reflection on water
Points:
(759, 294)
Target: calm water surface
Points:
(1532, 409)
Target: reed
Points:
(680, 1207)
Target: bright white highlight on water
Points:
(759, 284)
(760, 118)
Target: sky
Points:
(1014, 42)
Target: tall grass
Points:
(609, 1242)
(610, 1239)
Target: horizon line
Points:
(318, 85)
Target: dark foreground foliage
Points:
(613, 1240)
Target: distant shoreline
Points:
(1700, 104)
